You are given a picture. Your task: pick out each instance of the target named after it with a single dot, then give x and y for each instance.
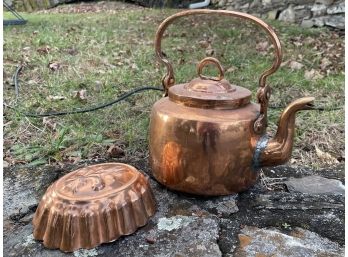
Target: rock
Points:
(255, 4)
(335, 9)
(184, 225)
(244, 6)
(221, 3)
(302, 12)
(318, 10)
(266, 2)
(272, 15)
(287, 15)
(308, 13)
(272, 242)
(319, 22)
(224, 205)
(325, 2)
(335, 21)
(315, 185)
(186, 236)
(307, 23)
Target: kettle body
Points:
(202, 151)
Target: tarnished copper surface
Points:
(264, 91)
(93, 205)
(206, 137)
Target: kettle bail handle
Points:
(264, 90)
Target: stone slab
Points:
(315, 185)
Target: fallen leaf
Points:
(81, 95)
(134, 67)
(8, 123)
(313, 75)
(98, 85)
(55, 97)
(72, 51)
(43, 50)
(74, 159)
(309, 40)
(5, 164)
(204, 43)
(262, 46)
(115, 151)
(231, 69)
(284, 63)
(324, 63)
(32, 82)
(326, 157)
(49, 123)
(209, 51)
(295, 65)
(54, 66)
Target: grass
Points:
(108, 54)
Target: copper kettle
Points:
(206, 137)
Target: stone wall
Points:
(33, 5)
(307, 13)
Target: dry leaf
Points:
(8, 123)
(74, 159)
(32, 82)
(134, 67)
(49, 123)
(5, 164)
(54, 66)
(324, 63)
(204, 43)
(309, 40)
(209, 51)
(43, 50)
(115, 151)
(72, 51)
(262, 46)
(313, 75)
(55, 97)
(98, 85)
(295, 65)
(326, 157)
(284, 63)
(231, 69)
(81, 95)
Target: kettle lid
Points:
(210, 92)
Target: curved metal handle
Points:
(263, 93)
(210, 60)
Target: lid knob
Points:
(205, 62)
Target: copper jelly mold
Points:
(93, 205)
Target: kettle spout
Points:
(277, 150)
